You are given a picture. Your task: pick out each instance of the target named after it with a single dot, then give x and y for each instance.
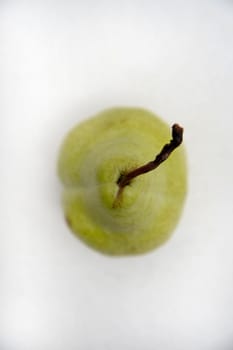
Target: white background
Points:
(62, 61)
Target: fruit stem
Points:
(177, 138)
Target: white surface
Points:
(62, 61)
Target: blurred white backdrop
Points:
(62, 61)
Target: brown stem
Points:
(177, 137)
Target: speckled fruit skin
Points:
(91, 159)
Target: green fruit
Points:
(95, 156)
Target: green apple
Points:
(108, 203)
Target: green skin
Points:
(94, 155)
